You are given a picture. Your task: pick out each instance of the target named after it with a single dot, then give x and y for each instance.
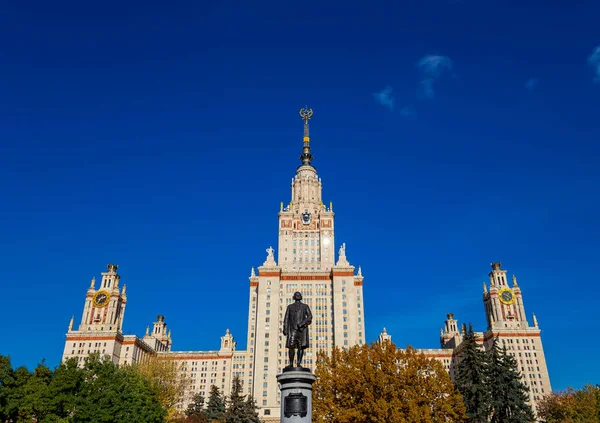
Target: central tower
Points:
(306, 241)
(305, 262)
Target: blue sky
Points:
(448, 134)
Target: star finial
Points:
(306, 157)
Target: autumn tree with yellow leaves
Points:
(168, 380)
(571, 406)
(379, 383)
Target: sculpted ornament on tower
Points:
(270, 257)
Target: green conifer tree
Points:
(251, 410)
(508, 392)
(235, 404)
(215, 407)
(471, 379)
(239, 408)
(196, 406)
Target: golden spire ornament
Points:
(306, 157)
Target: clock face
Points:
(101, 299)
(306, 218)
(507, 296)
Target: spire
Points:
(93, 283)
(306, 157)
(515, 281)
(147, 331)
(71, 323)
(252, 273)
(360, 274)
(484, 288)
(535, 322)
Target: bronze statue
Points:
(295, 327)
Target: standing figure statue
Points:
(295, 327)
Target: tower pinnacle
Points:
(306, 157)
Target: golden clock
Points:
(506, 296)
(101, 299)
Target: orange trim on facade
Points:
(269, 273)
(350, 273)
(253, 283)
(94, 338)
(306, 278)
(357, 283)
(512, 334)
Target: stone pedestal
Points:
(295, 384)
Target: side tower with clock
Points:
(104, 308)
(507, 322)
(101, 327)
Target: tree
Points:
(6, 378)
(167, 379)
(571, 406)
(215, 407)
(196, 406)
(378, 383)
(509, 393)
(100, 392)
(239, 409)
(35, 402)
(470, 379)
(14, 392)
(251, 410)
(116, 395)
(64, 390)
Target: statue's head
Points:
(297, 296)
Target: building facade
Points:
(306, 262)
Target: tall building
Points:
(331, 286)
(306, 253)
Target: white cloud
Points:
(594, 61)
(531, 84)
(432, 67)
(385, 97)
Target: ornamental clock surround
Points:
(101, 299)
(506, 296)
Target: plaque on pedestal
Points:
(295, 384)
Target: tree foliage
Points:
(167, 379)
(378, 383)
(239, 408)
(508, 392)
(471, 379)
(491, 384)
(215, 407)
(98, 392)
(196, 406)
(571, 406)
